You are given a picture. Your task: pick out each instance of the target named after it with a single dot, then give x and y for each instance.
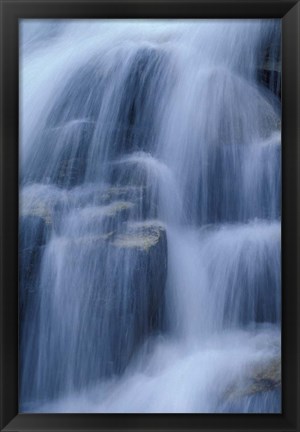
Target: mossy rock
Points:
(40, 210)
(141, 235)
(141, 196)
(260, 378)
(111, 216)
(119, 193)
(117, 207)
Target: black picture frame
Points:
(289, 12)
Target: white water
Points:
(158, 124)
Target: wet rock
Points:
(135, 174)
(71, 172)
(269, 70)
(125, 193)
(262, 382)
(142, 236)
(35, 224)
(112, 215)
(271, 79)
(138, 195)
(145, 245)
(115, 213)
(62, 159)
(49, 210)
(256, 403)
(139, 100)
(264, 377)
(98, 220)
(34, 231)
(39, 210)
(120, 287)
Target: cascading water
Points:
(150, 216)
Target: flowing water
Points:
(150, 189)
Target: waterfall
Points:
(150, 206)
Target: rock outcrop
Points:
(261, 383)
(144, 246)
(32, 240)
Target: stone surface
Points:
(142, 235)
(260, 378)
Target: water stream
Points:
(150, 189)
